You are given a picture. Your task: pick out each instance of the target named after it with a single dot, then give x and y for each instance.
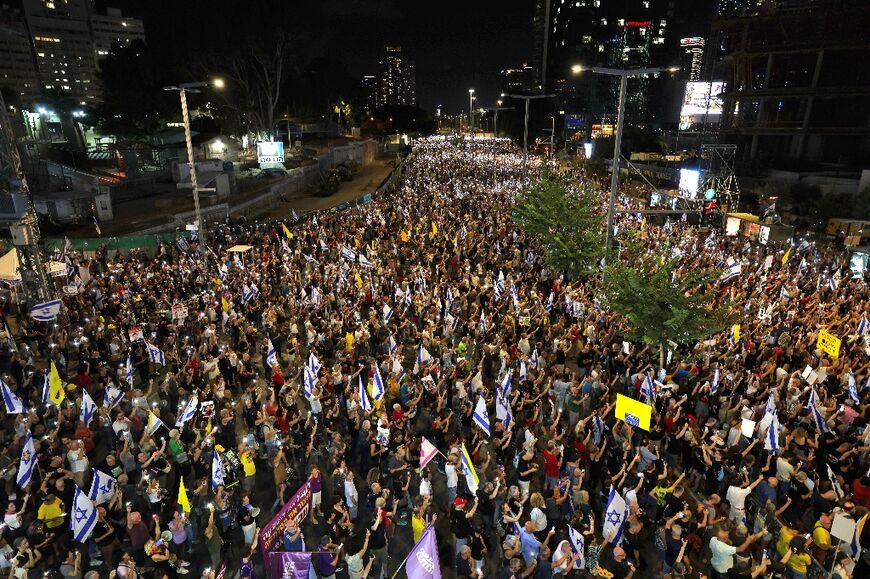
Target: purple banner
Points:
(422, 561)
(297, 509)
(289, 565)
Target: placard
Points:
(179, 312)
(843, 528)
(747, 427)
(633, 411)
(136, 333)
(828, 343)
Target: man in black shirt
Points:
(617, 564)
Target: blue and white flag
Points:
(182, 243)
(771, 436)
(448, 299)
(378, 386)
(646, 389)
(47, 311)
(363, 260)
(524, 372)
(247, 294)
(505, 388)
(597, 429)
(732, 271)
(550, 301)
(364, 401)
(28, 461)
(783, 294)
(46, 388)
(387, 312)
(481, 416)
(853, 388)
(189, 411)
(155, 354)
(821, 425)
(309, 381)
(313, 363)
(153, 424)
(130, 376)
(13, 402)
(102, 487)
(862, 327)
(83, 518)
(615, 515)
(714, 386)
(812, 400)
(112, 396)
(217, 471)
(770, 407)
(515, 296)
(347, 253)
(482, 329)
(88, 409)
(391, 345)
(535, 359)
(310, 259)
(503, 410)
(423, 356)
(804, 246)
(578, 546)
(500, 283)
(271, 355)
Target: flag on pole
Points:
(130, 376)
(189, 411)
(112, 396)
(715, 385)
(56, 393)
(313, 363)
(646, 389)
(155, 354)
(503, 410)
(217, 471)
(423, 356)
(13, 402)
(771, 436)
(88, 409)
(287, 232)
(524, 372)
(481, 416)
(578, 546)
(153, 424)
(363, 260)
(786, 255)
(102, 487)
(84, 516)
(427, 452)
(271, 355)
(821, 425)
(505, 389)
(862, 327)
(379, 390)
(853, 388)
(309, 381)
(471, 479)
(364, 397)
(47, 311)
(597, 429)
(422, 562)
(615, 515)
(182, 500)
(855, 543)
(387, 313)
(28, 460)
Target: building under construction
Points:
(797, 81)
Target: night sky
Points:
(456, 45)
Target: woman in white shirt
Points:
(537, 515)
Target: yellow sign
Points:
(633, 411)
(828, 343)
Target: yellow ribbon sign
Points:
(829, 343)
(633, 412)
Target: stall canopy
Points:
(240, 248)
(9, 267)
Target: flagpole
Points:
(405, 560)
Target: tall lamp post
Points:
(527, 98)
(183, 89)
(470, 110)
(623, 75)
(495, 110)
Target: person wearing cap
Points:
(461, 516)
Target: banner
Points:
(422, 561)
(289, 565)
(828, 343)
(297, 508)
(633, 411)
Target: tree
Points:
(658, 304)
(565, 219)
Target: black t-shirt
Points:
(620, 569)
(100, 529)
(463, 567)
(459, 523)
(522, 466)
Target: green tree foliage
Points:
(566, 221)
(659, 306)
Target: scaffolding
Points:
(717, 173)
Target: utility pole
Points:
(495, 110)
(527, 98)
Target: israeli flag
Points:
(524, 373)
(515, 296)
(13, 402)
(448, 298)
(89, 408)
(313, 363)
(853, 388)
(535, 359)
(189, 411)
(112, 397)
(500, 283)
(771, 436)
(347, 253)
(646, 389)
(387, 312)
(503, 410)
(550, 301)
(578, 546)
(315, 296)
(155, 354)
(423, 356)
(482, 330)
(130, 377)
(821, 425)
(271, 355)
(364, 261)
(84, 516)
(463, 233)
(481, 416)
(247, 294)
(46, 312)
(803, 246)
(28, 460)
(505, 389)
(812, 400)
(183, 245)
(770, 407)
(862, 327)
(309, 381)
(217, 471)
(102, 487)
(378, 384)
(310, 259)
(715, 385)
(391, 344)
(802, 265)
(406, 299)
(597, 429)
(153, 424)
(733, 271)
(364, 401)
(615, 515)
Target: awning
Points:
(240, 248)
(9, 267)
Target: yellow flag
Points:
(786, 255)
(286, 231)
(404, 236)
(434, 229)
(736, 332)
(183, 502)
(359, 282)
(642, 223)
(225, 304)
(55, 387)
(633, 411)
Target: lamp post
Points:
(623, 75)
(527, 98)
(183, 89)
(470, 110)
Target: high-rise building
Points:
(113, 28)
(17, 66)
(610, 33)
(692, 62)
(396, 79)
(797, 82)
(370, 89)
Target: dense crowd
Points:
(339, 344)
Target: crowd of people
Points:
(334, 347)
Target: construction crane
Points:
(37, 286)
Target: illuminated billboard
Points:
(689, 181)
(270, 152)
(701, 103)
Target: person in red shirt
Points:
(861, 490)
(552, 464)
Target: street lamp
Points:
(623, 75)
(183, 89)
(527, 98)
(470, 110)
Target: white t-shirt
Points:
(539, 518)
(350, 494)
(425, 488)
(77, 464)
(452, 478)
(737, 497)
